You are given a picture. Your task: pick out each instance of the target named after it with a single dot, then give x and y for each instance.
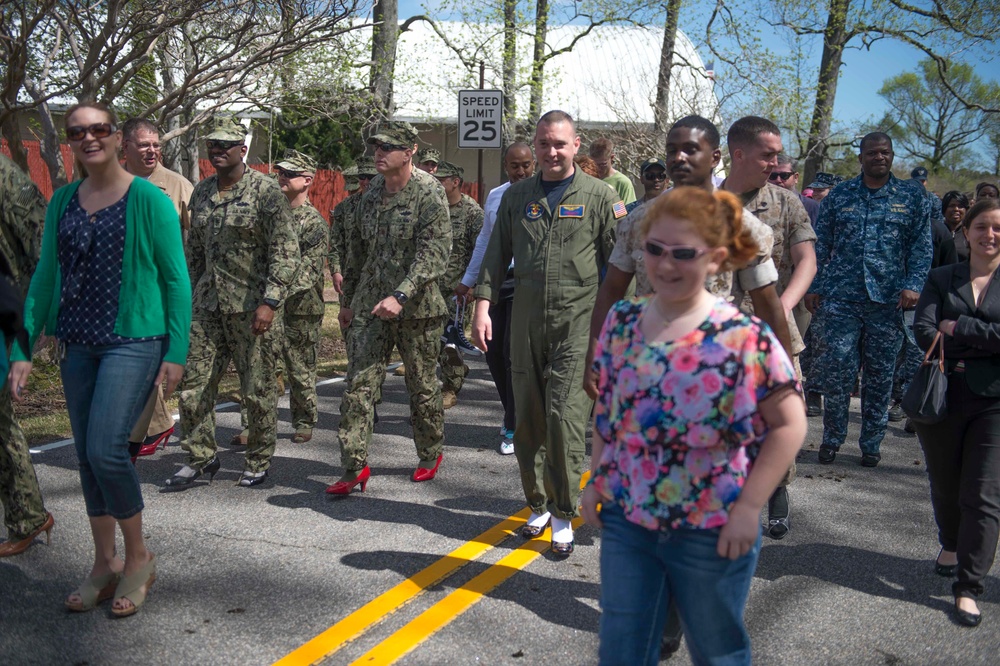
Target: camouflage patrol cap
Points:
(449, 170)
(823, 181)
(226, 127)
(395, 132)
(365, 167)
(429, 155)
(297, 162)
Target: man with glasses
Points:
(754, 149)
(786, 175)
(304, 306)
(654, 180)
(141, 149)
(243, 252)
(466, 222)
(406, 239)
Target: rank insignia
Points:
(619, 210)
(571, 211)
(534, 211)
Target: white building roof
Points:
(608, 78)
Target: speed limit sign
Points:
(479, 115)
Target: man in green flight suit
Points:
(558, 227)
(395, 300)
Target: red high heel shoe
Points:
(345, 487)
(150, 445)
(421, 474)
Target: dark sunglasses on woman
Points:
(97, 130)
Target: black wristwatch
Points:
(400, 296)
(272, 302)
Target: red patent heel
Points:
(421, 474)
(345, 487)
(155, 442)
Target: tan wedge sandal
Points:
(130, 587)
(93, 591)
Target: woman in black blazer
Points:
(962, 301)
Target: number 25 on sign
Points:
(479, 116)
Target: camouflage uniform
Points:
(428, 155)
(559, 253)
(405, 243)
(304, 307)
(870, 246)
(466, 222)
(242, 252)
(22, 218)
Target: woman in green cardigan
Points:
(112, 286)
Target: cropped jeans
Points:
(642, 570)
(106, 389)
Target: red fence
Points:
(326, 192)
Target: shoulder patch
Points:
(534, 210)
(619, 210)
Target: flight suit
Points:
(559, 255)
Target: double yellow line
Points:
(437, 616)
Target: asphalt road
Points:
(249, 576)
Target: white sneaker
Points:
(507, 443)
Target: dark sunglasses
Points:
(676, 252)
(781, 175)
(97, 130)
(654, 176)
(213, 144)
(288, 174)
(388, 147)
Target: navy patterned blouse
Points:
(90, 250)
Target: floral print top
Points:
(679, 418)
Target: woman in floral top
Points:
(698, 419)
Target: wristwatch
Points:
(272, 302)
(400, 296)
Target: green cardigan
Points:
(155, 296)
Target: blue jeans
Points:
(641, 570)
(106, 389)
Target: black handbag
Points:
(925, 400)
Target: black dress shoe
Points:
(827, 454)
(896, 411)
(946, 570)
(966, 618)
(777, 514)
(181, 481)
(814, 404)
(870, 459)
(250, 479)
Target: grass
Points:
(43, 415)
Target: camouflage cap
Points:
(365, 167)
(297, 162)
(429, 155)
(449, 170)
(823, 181)
(395, 132)
(226, 127)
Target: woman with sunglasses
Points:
(698, 418)
(112, 286)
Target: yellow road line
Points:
(457, 602)
(374, 611)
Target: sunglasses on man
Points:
(97, 130)
(781, 175)
(676, 252)
(388, 147)
(655, 175)
(288, 174)
(215, 144)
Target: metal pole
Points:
(482, 86)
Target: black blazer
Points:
(948, 295)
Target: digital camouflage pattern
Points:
(345, 244)
(405, 244)
(305, 294)
(783, 212)
(243, 246)
(22, 219)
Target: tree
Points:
(936, 29)
(928, 121)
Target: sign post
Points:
(480, 114)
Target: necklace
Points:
(659, 313)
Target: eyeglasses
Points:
(214, 144)
(659, 175)
(676, 252)
(781, 175)
(97, 130)
(388, 147)
(288, 174)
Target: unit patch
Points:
(534, 210)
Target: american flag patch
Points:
(619, 210)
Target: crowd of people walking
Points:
(697, 325)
